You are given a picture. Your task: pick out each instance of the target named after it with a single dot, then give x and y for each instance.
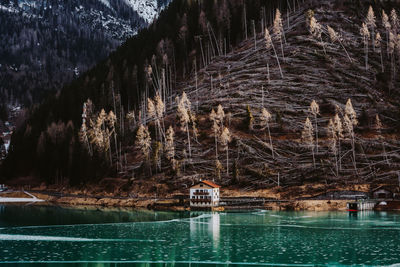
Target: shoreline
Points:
(171, 204)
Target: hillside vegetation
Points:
(314, 99)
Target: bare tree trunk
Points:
(316, 131)
(227, 160)
(270, 141)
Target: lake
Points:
(112, 237)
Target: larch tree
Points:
(307, 136)
(265, 119)
(268, 45)
(143, 141)
(250, 119)
(387, 26)
(337, 123)
(366, 36)
(111, 122)
(370, 21)
(169, 144)
(277, 29)
(314, 109)
(215, 128)
(184, 106)
(350, 121)
(315, 29)
(220, 115)
(225, 138)
(218, 169)
(335, 37)
(159, 115)
(332, 135)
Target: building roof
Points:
(390, 188)
(209, 183)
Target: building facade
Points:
(204, 194)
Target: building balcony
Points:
(200, 193)
(200, 200)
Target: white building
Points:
(204, 194)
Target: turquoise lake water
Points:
(52, 235)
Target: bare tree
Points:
(184, 118)
(307, 136)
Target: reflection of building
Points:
(205, 226)
(204, 194)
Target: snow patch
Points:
(147, 9)
(106, 3)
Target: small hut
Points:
(383, 192)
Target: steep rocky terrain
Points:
(243, 79)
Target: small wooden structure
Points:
(383, 192)
(204, 195)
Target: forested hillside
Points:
(45, 44)
(256, 93)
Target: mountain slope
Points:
(244, 80)
(45, 44)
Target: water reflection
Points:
(205, 226)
